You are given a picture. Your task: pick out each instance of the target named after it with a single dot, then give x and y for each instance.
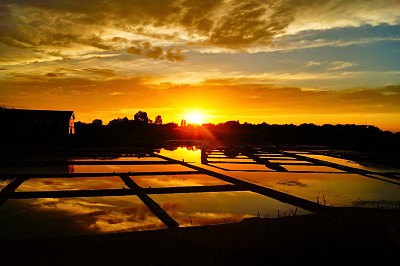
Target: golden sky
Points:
(277, 61)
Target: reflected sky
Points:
(313, 168)
(338, 189)
(74, 216)
(128, 168)
(241, 167)
(222, 207)
(232, 160)
(222, 156)
(278, 158)
(290, 162)
(57, 184)
(351, 163)
(4, 182)
(182, 153)
(177, 181)
(124, 158)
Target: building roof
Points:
(25, 114)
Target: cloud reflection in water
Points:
(75, 216)
(222, 207)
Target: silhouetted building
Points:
(20, 123)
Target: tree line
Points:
(143, 131)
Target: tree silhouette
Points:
(141, 117)
(158, 120)
(119, 121)
(97, 122)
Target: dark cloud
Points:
(96, 41)
(119, 40)
(146, 49)
(175, 54)
(100, 71)
(51, 75)
(58, 54)
(196, 15)
(135, 50)
(246, 25)
(156, 52)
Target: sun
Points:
(195, 118)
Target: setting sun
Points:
(196, 118)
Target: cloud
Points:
(175, 54)
(234, 24)
(339, 65)
(313, 63)
(315, 15)
(119, 40)
(363, 36)
(152, 52)
(156, 52)
(248, 24)
(146, 49)
(135, 50)
(100, 71)
(51, 75)
(58, 54)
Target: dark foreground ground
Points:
(349, 236)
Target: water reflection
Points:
(4, 182)
(188, 154)
(61, 217)
(177, 181)
(55, 217)
(291, 162)
(116, 159)
(340, 189)
(311, 181)
(222, 207)
(128, 168)
(57, 184)
(350, 163)
(312, 168)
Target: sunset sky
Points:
(278, 61)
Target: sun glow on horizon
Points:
(195, 117)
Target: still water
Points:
(46, 217)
